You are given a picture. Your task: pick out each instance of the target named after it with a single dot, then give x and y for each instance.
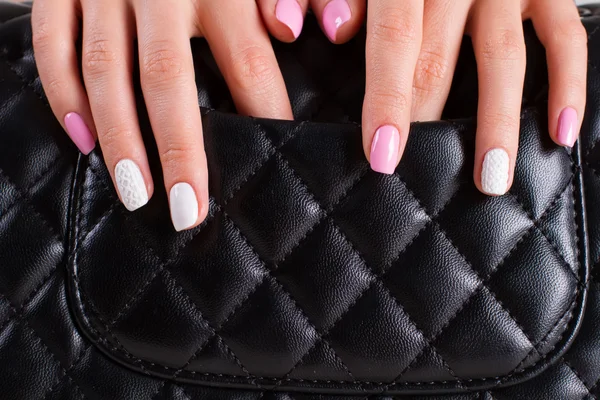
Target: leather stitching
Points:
(41, 342)
(301, 380)
(74, 365)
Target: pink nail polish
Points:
(567, 125)
(290, 13)
(335, 14)
(79, 133)
(384, 150)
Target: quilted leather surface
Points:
(45, 355)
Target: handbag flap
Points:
(311, 270)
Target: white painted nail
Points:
(131, 185)
(184, 206)
(494, 174)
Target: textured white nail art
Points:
(494, 174)
(184, 206)
(131, 185)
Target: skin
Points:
(400, 89)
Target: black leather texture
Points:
(313, 277)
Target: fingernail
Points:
(290, 13)
(79, 133)
(184, 206)
(131, 185)
(567, 125)
(335, 14)
(384, 150)
(494, 174)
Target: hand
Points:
(412, 49)
(106, 108)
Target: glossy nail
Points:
(567, 125)
(184, 206)
(290, 13)
(385, 149)
(79, 133)
(494, 173)
(131, 185)
(335, 14)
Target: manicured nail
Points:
(79, 133)
(290, 13)
(184, 206)
(567, 125)
(494, 174)
(131, 185)
(335, 14)
(384, 150)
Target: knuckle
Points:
(577, 83)
(55, 88)
(41, 33)
(390, 98)
(506, 45)
(253, 69)
(502, 122)
(431, 71)
(160, 63)
(173, 155)
(573, 33)
(114, 136)
(395, 28)
(98, 56)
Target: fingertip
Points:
(291, 17)
(184, 206)
(79, 133)
(385, 150)
(335, 14)
(494, 177)
(567, 129)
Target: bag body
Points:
(312, 278)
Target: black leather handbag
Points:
(313, 277)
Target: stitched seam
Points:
(25, 197)
(74, 365)
(160, 388)
(577, 374)
(288, 379)
(25, 81)
(209, 325)
(18, 312)
(482, 283)
(480, 286)
(165, 263)
(369, 270)
(259, 377)
(45, 347)
(162, 263)
(555, 248)
(289, 295)
(185, 393)
(375, 276)
(37, 180)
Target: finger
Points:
(500, 52)
(55, 29)
(340, 19)
(443, 30)
(107, 71)
(559, 27)
(284, 18)
(394, 28)
(169, 87)
(245, 56)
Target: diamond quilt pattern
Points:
(283, 327)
